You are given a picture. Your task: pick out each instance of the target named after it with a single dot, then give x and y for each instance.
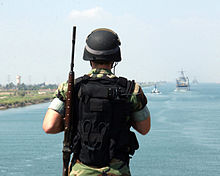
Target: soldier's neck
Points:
(108, 67)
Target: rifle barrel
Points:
(73, 48)
(69, 111)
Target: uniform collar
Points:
(99, 72)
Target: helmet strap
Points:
(113, 66)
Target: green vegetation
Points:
(24, 98)
(23, 86)
(12, 96)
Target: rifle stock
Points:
(69, 112)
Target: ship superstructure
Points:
(182, 82)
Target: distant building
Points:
(18, 79)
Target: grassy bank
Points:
(15, 99)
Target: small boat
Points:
(155, 90)
(182, 82)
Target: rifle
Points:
(69, 112)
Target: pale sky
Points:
(159, 38)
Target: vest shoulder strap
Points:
(129, 85)
(121, 81)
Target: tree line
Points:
(11, 86)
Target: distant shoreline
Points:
(23, 104)
(20, 98)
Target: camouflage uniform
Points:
(140, 112)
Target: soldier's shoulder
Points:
(135, 86)
(138, 98)
(137, 89)
(61, 91)
(63, 86)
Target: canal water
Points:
(184, 139)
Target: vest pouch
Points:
(94, 143)
(92, 157)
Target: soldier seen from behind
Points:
(106, 107)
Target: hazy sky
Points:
(159, 38)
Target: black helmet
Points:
(102, 45)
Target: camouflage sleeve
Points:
(140, 111)
(61, 91)
(58, 106)
(138, 99)
(58, 103)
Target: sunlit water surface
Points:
(184, 139)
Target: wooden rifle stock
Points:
(69, 112)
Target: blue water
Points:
(184, 139)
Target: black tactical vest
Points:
(103, 129)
